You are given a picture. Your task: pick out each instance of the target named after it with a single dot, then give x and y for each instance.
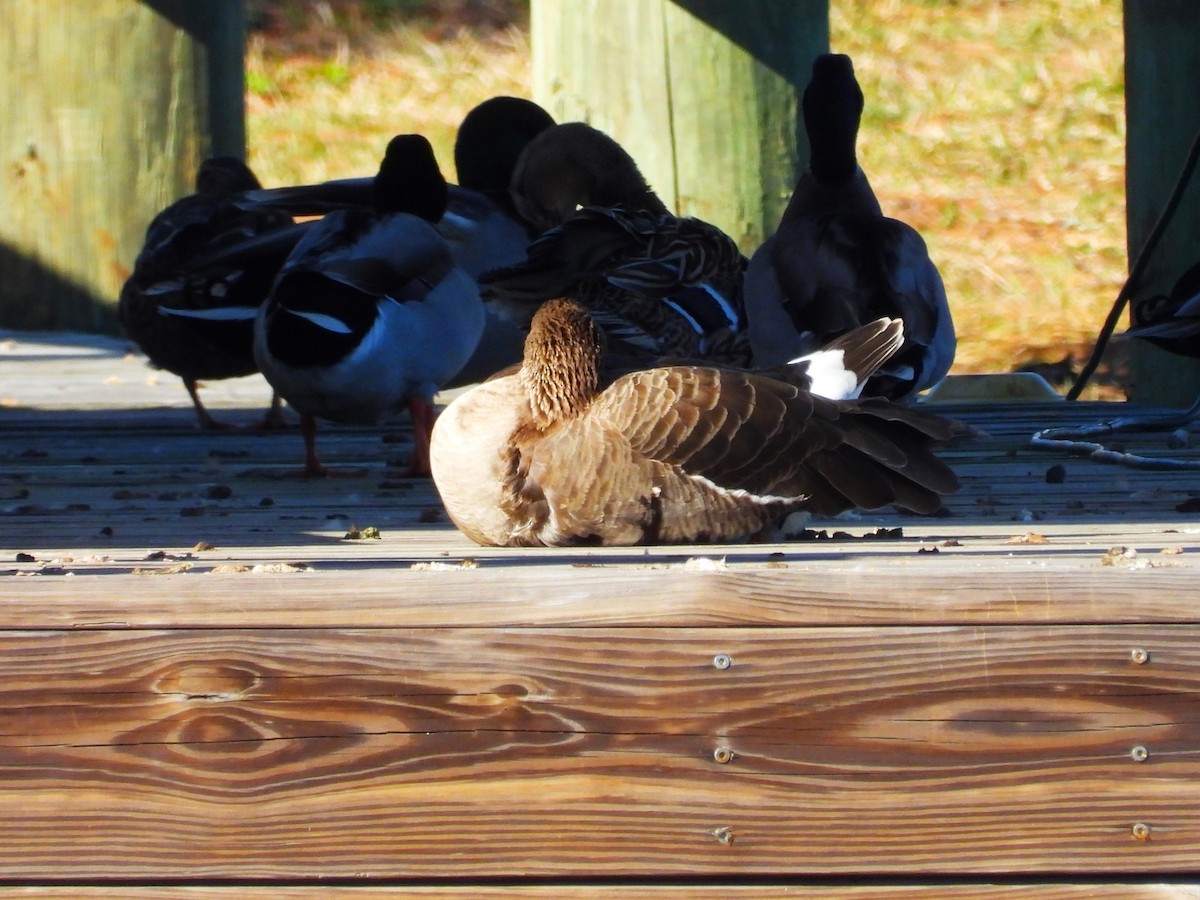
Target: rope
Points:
(1071, 439)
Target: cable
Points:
(1137, 269)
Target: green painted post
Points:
(109, 107)
(1162, 108)
(702, 93)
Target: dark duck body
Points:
(370, 314)
(836, 261)
(203, 271)
(659, 284)
(481, 223)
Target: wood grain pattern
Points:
(810, 890)
(820, 591)
(268, 754)
(397, 712)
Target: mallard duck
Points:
(547, 456)
(660, 285)
(572, 165)
(370, 314)
(1171, 321)
(481, 223)
(189, 303)
(836, 261)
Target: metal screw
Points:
(724, 834)
(1139, 753)
(723, 755)
(722, 661)
(1141, 831)
(1140, 655)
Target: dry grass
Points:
(994, 127)
(325, 92)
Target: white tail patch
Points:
(830, 377)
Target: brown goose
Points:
(671, 454)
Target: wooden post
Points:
(109, 107)
(702, 93)
(1162, 108)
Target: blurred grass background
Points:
(995, 127)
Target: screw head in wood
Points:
(724, 835)
(1140, 655)
(1139, 753)
(723, 755)
(722, 661)
(1141, 831)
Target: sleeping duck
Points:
(190, 303)
(548, 456)
(481, 223)
(612, 244)
(370, 314)
(836, 261)
(573, 165)
(658, 284)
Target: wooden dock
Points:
(218, 681)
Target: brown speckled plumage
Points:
(666, 455)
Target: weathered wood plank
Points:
(627, 891)
(548, 589)
(95, 495)
(260, 754)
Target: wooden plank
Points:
(1162, 108)
(862, 590)
(94, 504)
(93, 483)
(555, 753)
(627, 891)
